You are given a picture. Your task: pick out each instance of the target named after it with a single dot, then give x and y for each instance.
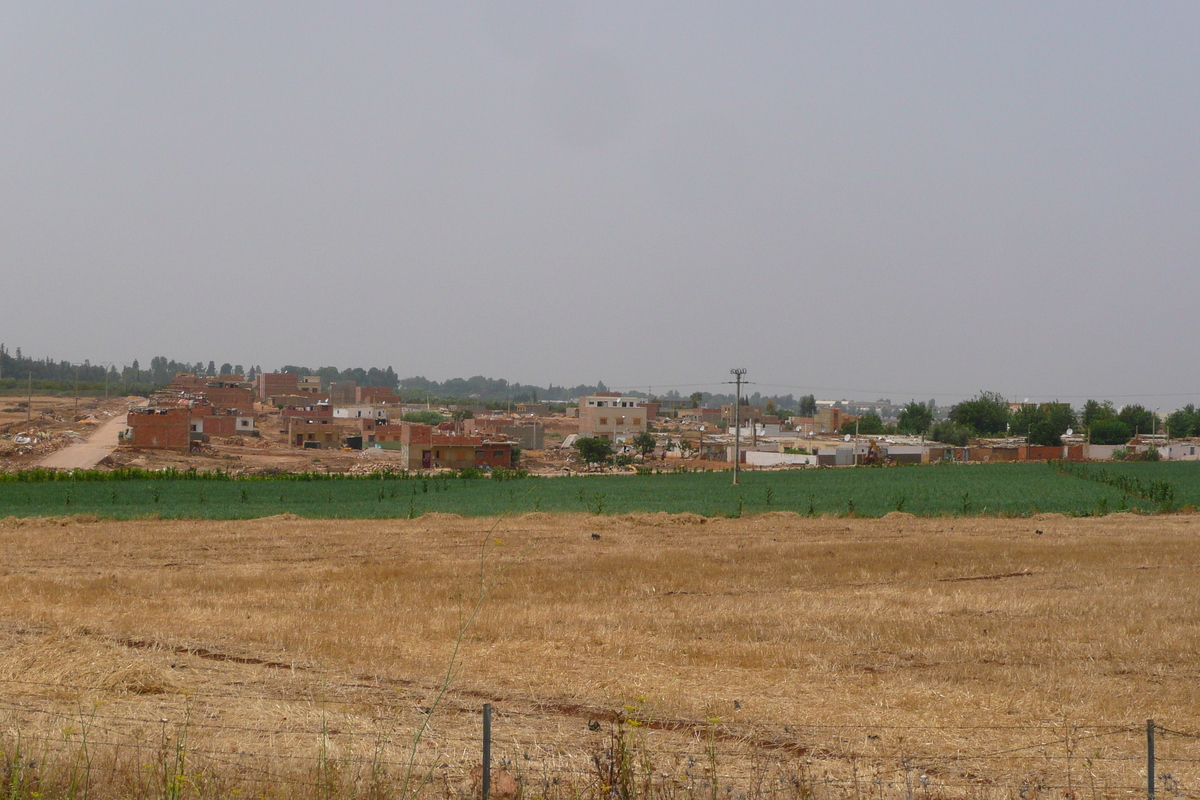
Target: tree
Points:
(227, 369)
(644, 443)
(697, 398)
(424, 417)
(594, 450)
(1025, 418)
(1183, 422)
(987, 413)
(808, 405)
(868, 425)
(1139, 418)
(1095, 411)
(462, 413)
(1043, 433)
(1110, 431)
(915, 418)
(1043, 424)
(949, 432)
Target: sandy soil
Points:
(27, 436)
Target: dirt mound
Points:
(24, 522)
(440, 516)
(896, 516)
(661, 519)
(287, 517)
(781, 516)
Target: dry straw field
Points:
(772, 656)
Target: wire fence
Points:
(296, 745)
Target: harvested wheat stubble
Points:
(977, 653)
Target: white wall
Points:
(758, 458)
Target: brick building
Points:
(160, 428)
(529, 435)
(701, 416)
(376, 395)
(303, 412)
(611, 416)
(747, 414)
(226, 394)
(318, 433)
(829, 419)
(183, 426)
(309, 384)
(423, 447)
(213, 421)
(343, 393)
(272, 384)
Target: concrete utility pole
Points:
(737, 424)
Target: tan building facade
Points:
(611, 416)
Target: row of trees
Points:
(989, 414)
(914, 419)
(17, 366)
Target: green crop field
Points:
(982, 489)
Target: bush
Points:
(594, 450)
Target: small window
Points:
(604, 420)
(637, 421)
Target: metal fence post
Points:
(1149, 759)
(487, 750)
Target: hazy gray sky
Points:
(857, 199)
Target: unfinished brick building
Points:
(423, 447)
(314, 434)
(272, 384)
(160, 428)
(376, 395)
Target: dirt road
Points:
(89, 452)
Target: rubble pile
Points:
(372, 469)
(34, 442)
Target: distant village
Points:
(307, 413)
